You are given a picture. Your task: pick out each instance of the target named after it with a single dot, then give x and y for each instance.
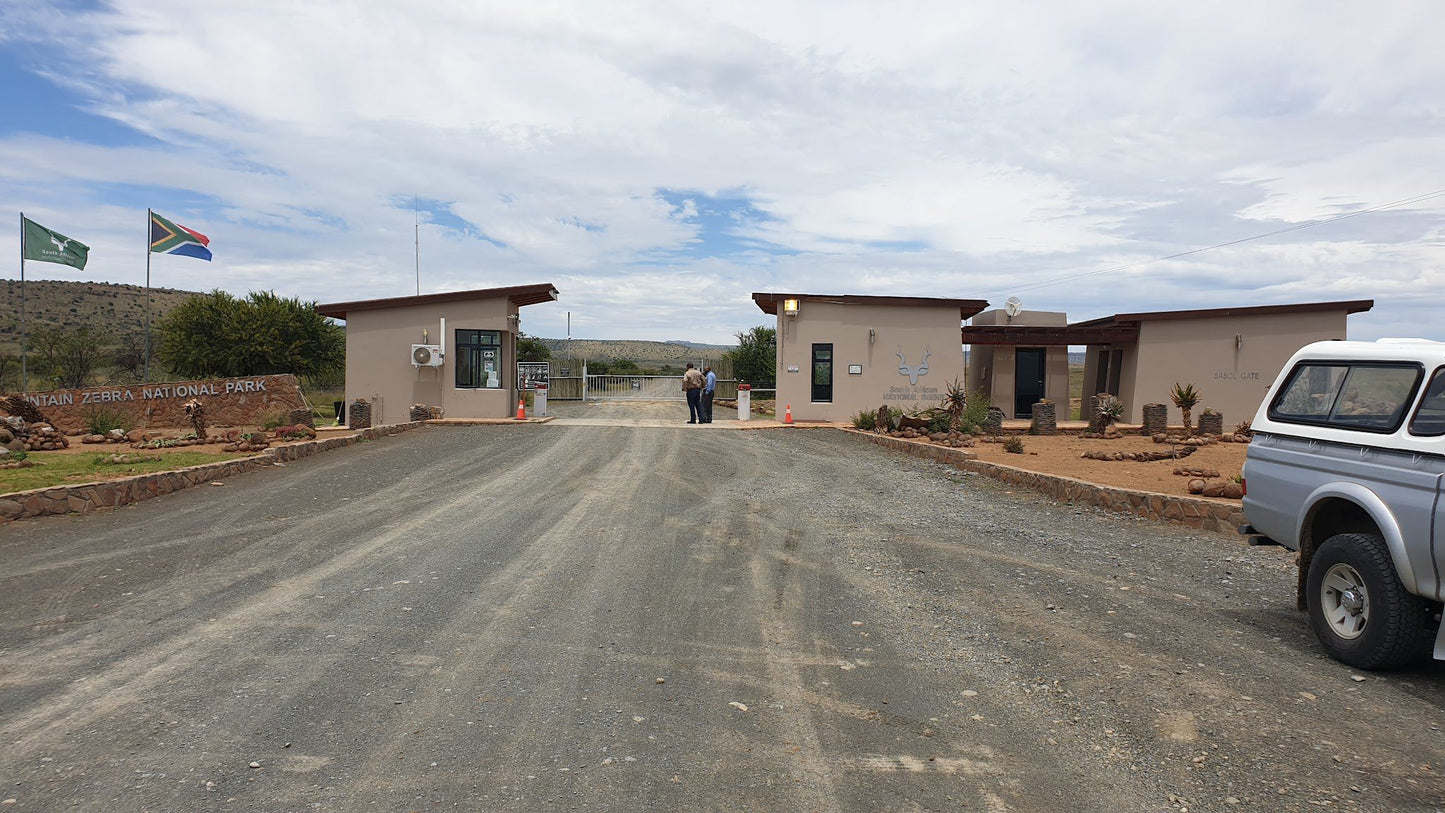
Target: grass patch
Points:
(323, 405)
(71, 469)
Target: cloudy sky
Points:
(659, 162)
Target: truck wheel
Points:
(1359, 609)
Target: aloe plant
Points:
(1186, 397)
(1111, 410)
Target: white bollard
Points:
(539, 400)
(745, 402)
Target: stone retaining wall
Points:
(1208, 515)
(79, 499)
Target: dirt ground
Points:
(1060, 454)
(600, 617)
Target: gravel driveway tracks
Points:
(554, 617)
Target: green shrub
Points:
(1014, 445)
(1111, 409)
(271, 420)
(100, 420)
(940, 421)
(975, 413)
(865, 420)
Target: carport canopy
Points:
(1034, 336)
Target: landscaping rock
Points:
(1211, 423)
(993, 422)
(358, 415)
(1156, 419)
(1044, 421)
(1140, 457)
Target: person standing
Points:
(692, 383)
(709, 389)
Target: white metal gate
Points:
(633, 388)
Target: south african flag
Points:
(169, 238)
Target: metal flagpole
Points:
(24, 372)
(416, 228)
(146, 370)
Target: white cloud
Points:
(925, 148)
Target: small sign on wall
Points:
(792, 368)
(855, 369)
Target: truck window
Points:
(1429, 420)
(1364, 396)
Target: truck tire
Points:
(1360, 611)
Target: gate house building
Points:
(840, 355)
(468, 362)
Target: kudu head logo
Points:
(60, 244)
(914, 372)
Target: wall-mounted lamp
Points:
(1238, 340)
(790, 307)
(872, 334)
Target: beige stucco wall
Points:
(379, 369)
(909, 329)
(992, 368)
(1232, 380)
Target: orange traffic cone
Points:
(521, 409)
(788, 414)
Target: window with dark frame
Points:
(1429, 420)
(479, 359)
(822, 373)
(1363, 396)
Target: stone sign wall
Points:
(228, 402)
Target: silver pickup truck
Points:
(1348, 468)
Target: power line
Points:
(1126, 266)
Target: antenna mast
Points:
(416, 228)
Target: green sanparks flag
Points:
(52, 247)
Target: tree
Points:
(755, 361)
(217, 334)
(624, 367)
(129, 356)
(530, 348)
(9, 372)
(67, 358)
(1186, 397)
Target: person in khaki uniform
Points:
(692, 383)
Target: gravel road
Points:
(555, 617)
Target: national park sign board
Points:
(228, 402)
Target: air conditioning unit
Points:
(426, 355)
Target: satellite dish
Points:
(1013, 306)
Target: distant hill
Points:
(109, 310)
(646, 354)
